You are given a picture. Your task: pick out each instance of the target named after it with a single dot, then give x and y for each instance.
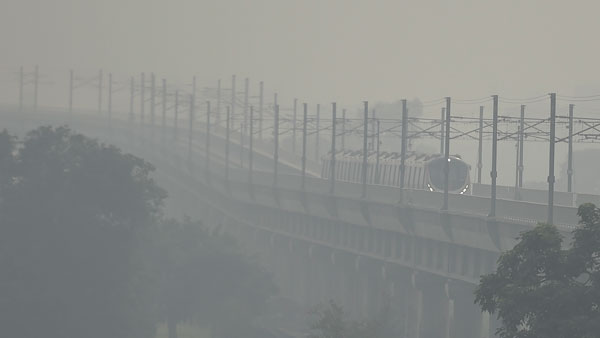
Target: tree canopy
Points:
(70, 210)
(85, 250)
(330, 321)
(205, 278)
(542, 290)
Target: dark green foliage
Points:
(205, 278)
(543, 291)
(85, 252)
(331, 322)
(70, 212)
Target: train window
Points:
(387, 174)
(414, 178)
(418, 178)
(375, 173)
(359, 172)
(413, 181)
(457, 174)
(376, 169)
(348, 174)
(347, 171)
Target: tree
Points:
(331, 322)
(71, 213)
(205, 277)
(542, 290)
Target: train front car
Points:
(459, 178)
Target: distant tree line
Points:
(85, 250)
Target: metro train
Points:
(423, 171)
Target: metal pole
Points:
(294, 127)
(232, 97)
(521, 145)
(246, 88)
(305, 122)
(152, 99)
(227, 127)
(332, 161)
(494, 172)
(251, 145)
(36, 81)
(142, 97)
(442, 138)
(570, 164)
(109, 99)
(276, 145)
(343, 129)
(372, 144)
(242, 127)
(447, 154)
(260, 110)
(164, 107)
(377, 156)
(176, 115)
(130, 117)
(218, 117)
(317, 132)
(191, 128)
(365, 153)
(480, 149)
(131, 98)
(551, 158)
(194, 88)
(21, 80)
(71, 79)
(517, 147)
(403, 147)
(100, 84)
(207, 169)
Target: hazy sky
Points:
(321, 51)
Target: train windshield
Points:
(457, 175)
